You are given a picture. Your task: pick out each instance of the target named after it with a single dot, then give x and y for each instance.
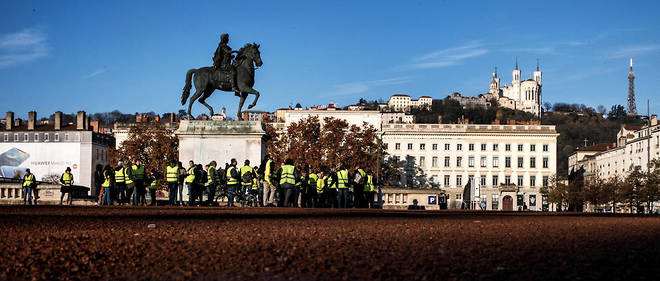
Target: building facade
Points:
(503, 161)
(526, 95)
(48, 149)
(636, 147)
(405, 103)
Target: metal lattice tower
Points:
(632, 108)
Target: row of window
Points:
(494, 180)
(36, 137)
(471, 146)
(483, 162)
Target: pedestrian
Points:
(332, 196)
(319, 199)
(247, 176)
(190, 182)
(212, 182)
(66, 188)
(342, 187)
(200, 181)
(120, 184)
(233, 181)
(172, 175)
(107, 186)
(268, 187)
(288, 176)
(130, 184)
(137, 170)
(369, 190)
(310, 191)
(29, 183)
(359, 182)
(98, 180)
(256, 183)
(153, 186)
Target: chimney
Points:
(87, 120)
(32, 117)
(172, 118)
(654, 120)
(58, 120)
(9, 124)
(80, 120)
(94, 126)
(18, 122)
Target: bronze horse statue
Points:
(207, 80)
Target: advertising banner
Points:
(43, 159)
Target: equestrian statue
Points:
(227, 74)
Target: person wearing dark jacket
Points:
(289, 177)
(233, 181)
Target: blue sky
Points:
(133, 55)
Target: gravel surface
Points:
(92, 243)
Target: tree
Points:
(548, 106)
(556, 191)
(617, 112)
(152, 144)
(632, 186)
(335, 143)
(601, 109)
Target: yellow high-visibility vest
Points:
(231, 180)
(342, 178)
(287, 175)
(28, 180)
(128, 178)
(172, 174)
(119, 175)
(154, 184)
(244, 170)
(268, 170)
(320, 185)
(208, 175)
(369, 187)
(138, 172)
(67, 179)
(107, 182)
(191, 174)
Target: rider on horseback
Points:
(222, 60)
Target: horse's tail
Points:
(188, 86)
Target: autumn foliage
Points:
(153, 144)
(331, 143)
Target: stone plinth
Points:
(205, 140)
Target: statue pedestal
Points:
(205, 140)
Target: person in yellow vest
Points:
(190, 182)
(331, 183)
(130, 183)
(268, 187)
(256, 183)
(139, 193)
(369, 191)
(67, 181)
(212, 182)
(171, 176)
(319, 200)
(120, 184)
(359, 199)
(288, 176)
(343, 182)
(310, 198)
(29, 182)
(247, 175)
(153, 187)
(233, 181)
(107, 186)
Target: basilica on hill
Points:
(520, 95)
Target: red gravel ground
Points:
(92, 243)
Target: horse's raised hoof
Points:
(251, 106)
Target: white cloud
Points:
(635, 50)
(363, 86)
(22, 47)
(95, 73)
(449, 56)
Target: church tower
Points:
(495, 84)
(632, 108)
(516, 74)
(537, 74)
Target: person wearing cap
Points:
(67, 181)
(29, 183)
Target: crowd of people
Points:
(286, 186)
